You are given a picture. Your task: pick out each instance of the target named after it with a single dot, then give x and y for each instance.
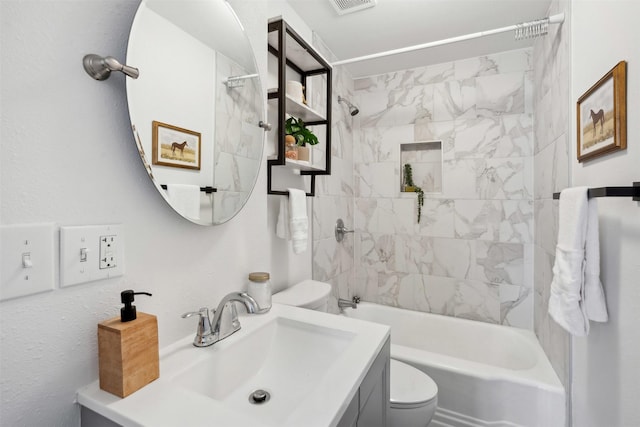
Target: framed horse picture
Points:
(175, 147)
(602, 115)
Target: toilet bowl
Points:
(414, 396)
(309, 294)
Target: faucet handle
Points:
(204, 337)
(203, 313)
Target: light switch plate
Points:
(27, 255)
(81, 253)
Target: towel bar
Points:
(633, 191)
(207, 190)
(286, 193)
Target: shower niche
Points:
(425, 164)
(300, 82)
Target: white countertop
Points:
(166, 403)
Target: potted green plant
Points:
(301, 135)
(409, 186)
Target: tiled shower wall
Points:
(471, 255)
(552, 57)
(333, 262)
(236, 156)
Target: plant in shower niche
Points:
(409, 186)
(298, 130)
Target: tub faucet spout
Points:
(343, 303)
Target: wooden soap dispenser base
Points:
(128, 349)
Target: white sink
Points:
(310, 363)
(285, 357)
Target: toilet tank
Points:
(309, 294)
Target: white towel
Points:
(282, 227)
(576, 291)
(595, 303)
(298, 220)
(185, 199)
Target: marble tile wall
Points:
(551, 172)
(471, 255)
(333, 262)
(236, 155)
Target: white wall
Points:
(606, 371)
(68, 157)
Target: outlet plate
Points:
(82, 251)
(27, 255)
(108, 248)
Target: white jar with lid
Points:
(260, 289)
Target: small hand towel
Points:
(577, 239)
(282, 226)
(595, 303)
(185, 199)
(298, 220)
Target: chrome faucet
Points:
(224, 323)
(222, 326)
(343, 303)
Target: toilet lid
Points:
(305, 294)
(409, 385)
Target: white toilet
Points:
(309, 294)
(414, 395)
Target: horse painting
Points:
(598, 117)
(175, 146)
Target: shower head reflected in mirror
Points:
(353, 110)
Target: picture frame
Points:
(175, 147)
(602, 115)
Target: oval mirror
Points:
(196, 106)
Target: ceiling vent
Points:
(349, 6)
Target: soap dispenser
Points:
(128, 312)
(128, 349)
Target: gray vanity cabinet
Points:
(88, 418)
(370, 406)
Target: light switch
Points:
(89, 253)
(83, 254)
(27, 257)
(26, 260)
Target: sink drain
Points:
(259, 397)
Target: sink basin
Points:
(285, 357)
(310, 363)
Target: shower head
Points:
(353, 110)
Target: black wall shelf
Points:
(293, 52)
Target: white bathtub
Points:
(487, 375)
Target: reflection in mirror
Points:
(196, 106)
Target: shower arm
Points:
(553, 19)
